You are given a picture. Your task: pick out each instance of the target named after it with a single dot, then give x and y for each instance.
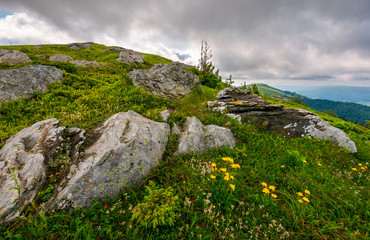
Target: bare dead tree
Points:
(205, 56)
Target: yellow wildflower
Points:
(307, 192)
(227, 178)
(264, 184)
(274, 195)
(363, 168)
(305, 199)
(223, 169)
(354, 169)
(272, 188)
(232, 177)
(213, 164)
(319, 164)
(227, 159)
(266, 190)
(213, 176)
(300, 194)
(235, 165)
(282, 166)
(360, 164)
(214, 169)
(300, 201)
(232, 186)
(227, 174)
(304, 161)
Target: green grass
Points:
(338, 206)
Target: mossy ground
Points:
(338, 206)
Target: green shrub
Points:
(158, 208)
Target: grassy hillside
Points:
(281, 188)
(346, 110)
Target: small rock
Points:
(198, 138)
(130, 56)
(175, 129)
(77, 46)
(60, 58)
(165, 115)
(83, 63)
(115, 49)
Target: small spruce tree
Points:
(207, 74)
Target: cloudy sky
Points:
(279, 42)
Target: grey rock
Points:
(235, 116)
(115, 49)
(22, 82)
(165, 115)
(287, 121)
(77, 46)
(129, 56)
(83, 63)
(170, 81)
(60, 58)
(13, 57)
(26, 153)
(315, 127)
(198, 138)
(127, 147)
(175, 129)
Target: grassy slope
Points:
(346, 110)
(207, 209)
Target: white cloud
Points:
(21, 28)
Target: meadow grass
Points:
(267, 187)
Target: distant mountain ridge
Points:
(348, 111)
(359, 95)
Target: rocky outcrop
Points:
(83, 63)
(120, 153)
(128, 146)
(170, 81)
(13, 57)
(286, 121)
(77, 46)
(197, 138)
(23, 161)
(22, 82)
(60, 58)
(130, 56)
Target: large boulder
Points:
(22, 82)
(170, 81)
(23, 161)
(126, 148)
(198, 138)
(60, 58)
(129, 56)
(13, 57)
(287, 121)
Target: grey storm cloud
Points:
(249, 38)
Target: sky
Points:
(278, 42)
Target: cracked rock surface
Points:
(287, 121)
